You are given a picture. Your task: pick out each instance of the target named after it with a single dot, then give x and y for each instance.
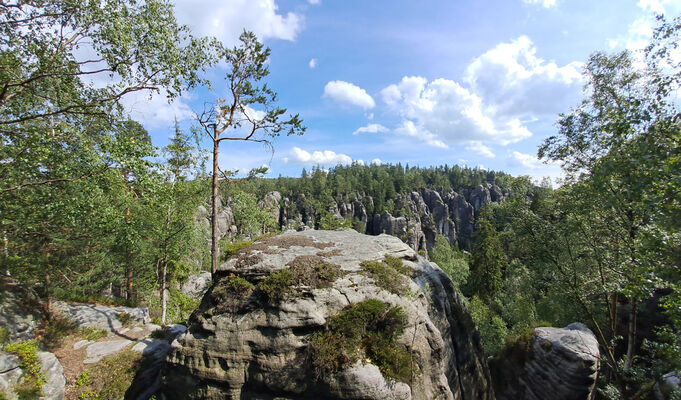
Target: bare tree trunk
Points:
(164, 298)
(214, 249)
(631, 334)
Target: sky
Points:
(430, 82)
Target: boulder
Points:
(250, 344)
(98, 350)
(556, 363)
(20, 309)
(102, 317)
(10, 373)
(55, 383)
(196, 285)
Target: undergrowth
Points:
(110, 378)
(366, 330)
(277, 285)
(390, 274)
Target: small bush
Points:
(232, 293)
(228, 249)
(125, 319)
(4, 337)
(52, 332)
(364, 330)
(277, 285)
(389, 274)
(84, 379)
(159, 334)
(92, 333)
(313, 271)
(33, 378)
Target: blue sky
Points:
(431, 82)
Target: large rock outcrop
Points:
(554, 363)
(254, 342)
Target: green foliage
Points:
(251, 220)
(451, 260)
(389, 274)
(32, 376)
(277, 285)
(488, 259)
(4, 335)
(84, 379)
(492, 328)
(330, 222)
(364, 330)
(125, 319)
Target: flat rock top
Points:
(578, 341)
(346, 248)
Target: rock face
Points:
(256, 345)
(419, 216)
(20, 309)
(669, 384)
(560, 364)
(10, 373)
(101, 317)
(196, 285)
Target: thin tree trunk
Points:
(214, 249)
(164, 298)
(48, 283)
(631, 334)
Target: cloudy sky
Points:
(427, 82)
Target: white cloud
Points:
(313, 63)
(534, 167)
(480, 149)
(443, 112)
(314, 1)
(371, 128)
(227, 19)
(349, 94)
(505, 87)
(376, 161)
(545, 3)
(153, 109)
(512, 80)
(325, 157)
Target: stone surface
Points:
(9, 374)
(562, 364)
(99, 350)
(260, 351)
(196, 285)
(20, 309)
(55, 384)
(82, 343)
(102, 317)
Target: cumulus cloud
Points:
(153, 109)
(348, 94)
(313, 63)
(376, 161)
(325, 157)
(501, 90)
(371, 128)
(227, 19)
(512, 80)
(534, 167)
(544, 3)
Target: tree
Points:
(452, 261)
(247, 69)
(489, 259)
(620, 150)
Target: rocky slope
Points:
(333, 315)
(420, 215)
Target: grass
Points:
(125, 319)
(110, 378)
(92, 333)
(389, 274)
(366, 330)
(32, 378)
(228, 249)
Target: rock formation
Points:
(20, 309)
(284, 320)
(419, 216)
(554, 363)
